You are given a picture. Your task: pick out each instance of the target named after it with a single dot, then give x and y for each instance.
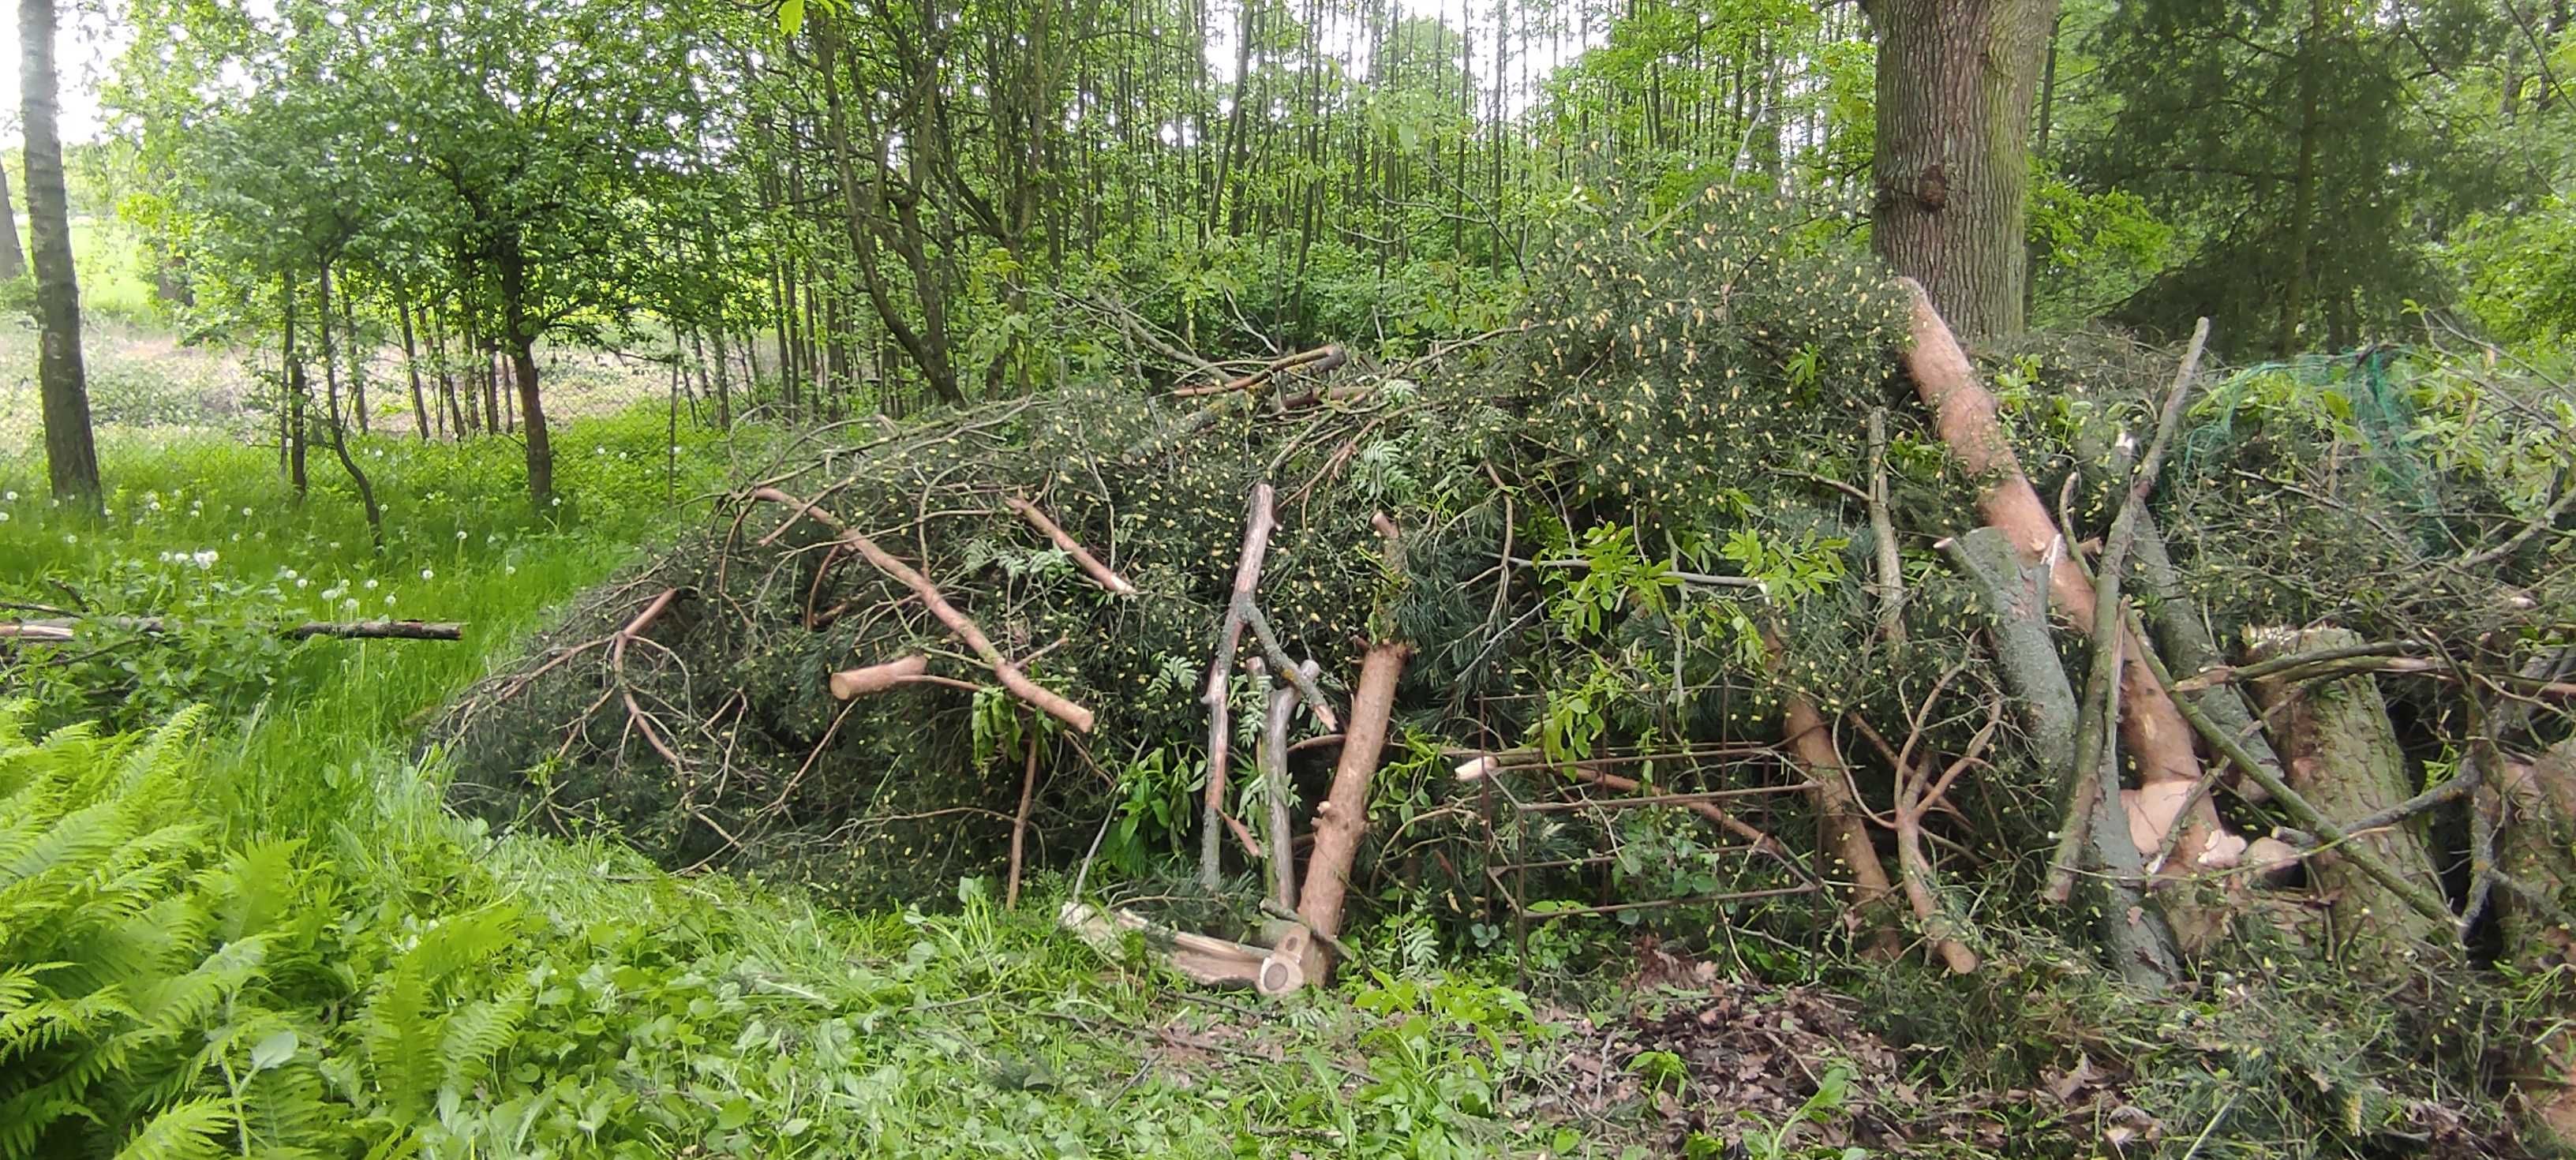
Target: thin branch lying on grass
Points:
(68, 628)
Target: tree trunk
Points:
(2343, 758)
(13, 261)
(2303, 181)
(520, 331)
(330, 351)
(411, 366)
(291, 426)
(724, 381)
(357, 362)
(1955, 81)
(2532, 845)
(71, 450)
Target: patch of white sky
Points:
(1541, 37)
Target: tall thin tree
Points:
(71, 450)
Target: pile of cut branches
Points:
(2128, 650)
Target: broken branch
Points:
(1091, 566)
(1045, 700)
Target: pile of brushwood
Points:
(2105, 665)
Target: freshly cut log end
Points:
(1283, 970)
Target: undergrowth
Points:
(236, 919)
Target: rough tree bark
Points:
(2532, 846)
(2343, 758)
(71, 451)
(1952, 174)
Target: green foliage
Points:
(2519, 272)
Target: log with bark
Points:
(2343, 756)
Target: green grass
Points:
(110, 263)
(657, 1015)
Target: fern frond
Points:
(477, 1032)
(74, 843)
(255, 888)
(172, 1007)
(402, 1040)
(189, 1131)
(46, 1024)
(461, 941)
(24, 1118)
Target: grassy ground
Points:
(654, 1015)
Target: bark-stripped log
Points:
(849, 684)
(2173, 619)
(2156, 735)
(1342, 819)
(1101, 574)
(1840, 832)
(1229, 637)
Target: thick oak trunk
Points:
(1952, 174)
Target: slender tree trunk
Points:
(1955, 80)
(357, 362)
(411, 366)
(724, 380)
(2303, 181)
(447, 392)
(330, 351)
(521, 333)
(291, 409)
(339, 429)
(71, 450)
(13, 261)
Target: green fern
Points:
(188, 1131)
(124, 961)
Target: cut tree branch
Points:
(1091, 566)
(1045, 700)
(70, 627)
(1318, 360)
